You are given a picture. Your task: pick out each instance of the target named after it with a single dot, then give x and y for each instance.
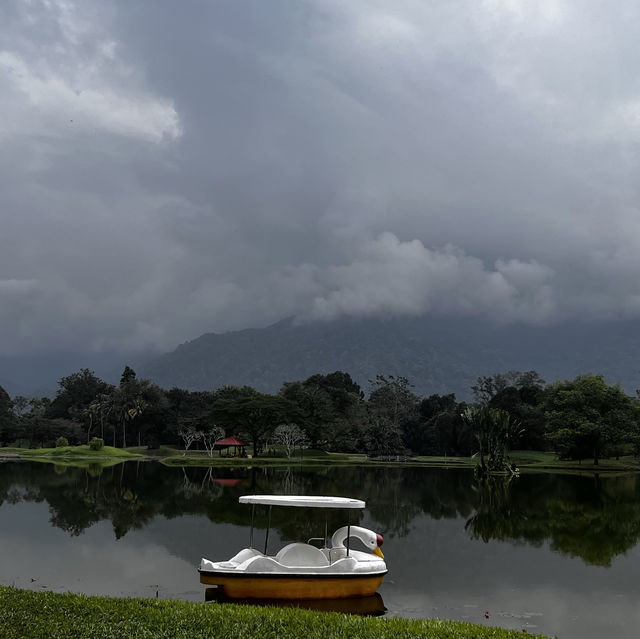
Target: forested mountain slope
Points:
(437, 355)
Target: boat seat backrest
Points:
(246, 553)
(298, 554)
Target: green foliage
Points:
(393, 400)
(487, 387)
(495, 433)
(96, 443)
(439, 428)
(78, 452)
(26, 615)
(128, 376)
(61, 442)
(587, 417)
(328, 409)
(254, 415)
(7, 418)
(579, 418)
(75, 393)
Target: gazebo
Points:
(230, 442)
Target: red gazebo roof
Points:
(229, 441)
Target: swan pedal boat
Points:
(301, 571)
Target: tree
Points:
(314, 410)
(526, 406)
(7, 417)
(495, 433)
(133, 398)
(439, 428)
(210, 437)
(289, 436)
(330, 409)
(256, 415)
(587, 417)
(189, 434)
(392, 399)
(128, 376)
(383, 439)
(486, 388)
(76, 392)
(34, 426)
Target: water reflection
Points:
(593, 518)
(372, 606)
(551, 554)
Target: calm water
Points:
(549, 553)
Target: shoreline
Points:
(26, 613)
(526, 461)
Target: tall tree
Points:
(487, 387)
(314, 409)
(392, 399)
(7, 417)
(75, 393)
(495, 433)
(255, 416)
(588, 417)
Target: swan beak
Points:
(377, 551)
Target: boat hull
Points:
(302, 586)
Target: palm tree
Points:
(495, 432)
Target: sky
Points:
(174, 168)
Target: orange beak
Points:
(377, 551)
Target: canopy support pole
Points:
(348, 531)
(266, 539)
(253, 508)
(326, 536)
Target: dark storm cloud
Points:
(171, 168)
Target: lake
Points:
(555, 554)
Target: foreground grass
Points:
(30, 615)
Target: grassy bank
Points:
(74, 455)
(26, 614)
(526, 461)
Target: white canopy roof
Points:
(309, 501)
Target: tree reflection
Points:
(593, 518)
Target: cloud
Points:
(394, 277)
(169, 170)
(78, 79)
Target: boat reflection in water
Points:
(370, 606)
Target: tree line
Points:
(580, 418)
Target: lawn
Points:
(25, 614)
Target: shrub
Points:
(62, 441)
(96, 444)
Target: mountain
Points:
(441, 355)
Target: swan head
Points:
(370, 539)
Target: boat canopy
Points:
(308, 501)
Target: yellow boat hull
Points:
(293, 587)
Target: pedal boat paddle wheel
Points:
(301, 570)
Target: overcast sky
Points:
(174, 168)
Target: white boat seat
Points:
(246, 553)
(298, 554)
